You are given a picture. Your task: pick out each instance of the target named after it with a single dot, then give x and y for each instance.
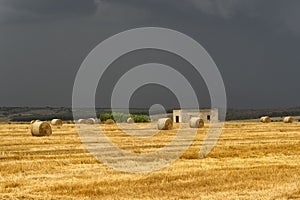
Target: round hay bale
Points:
(288, 120)
(56, 122)
(265, 119)
(130, 120)
(90, 121)
(98, 120)
(41, 129)
(81, 121)
(196, 122)
(165, 124)
(32, 121)
(109, 121)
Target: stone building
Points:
(185, 115)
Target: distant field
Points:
(251, 161)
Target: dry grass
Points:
(251, 161)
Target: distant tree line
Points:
(28, 118)
(118, 117)
(25, 114)
(242, 114)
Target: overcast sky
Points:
(255, 44)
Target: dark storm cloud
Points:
(278, 12)
(226, 9)
(254, 43)
(22, 10)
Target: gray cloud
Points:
(20, 10)
(224, 8)
(292, 16)
(284, 15)
(277, 12)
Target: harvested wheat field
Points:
(252, 160)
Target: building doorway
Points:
(208, 118)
